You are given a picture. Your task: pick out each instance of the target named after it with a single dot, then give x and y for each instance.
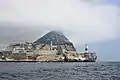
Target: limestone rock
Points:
(57, 38)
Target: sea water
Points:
(60, 71)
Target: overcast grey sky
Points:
(82, 21)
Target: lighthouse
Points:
(86, 48)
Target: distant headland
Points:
(52, 47)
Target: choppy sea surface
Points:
(59, 71)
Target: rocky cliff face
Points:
(57, 38)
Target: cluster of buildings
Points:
(44, 52)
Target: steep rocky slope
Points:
(57, 38)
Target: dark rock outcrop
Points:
(57, 38)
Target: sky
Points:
(82, 21)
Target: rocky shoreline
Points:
(45, 61)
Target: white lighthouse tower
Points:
(86, 48)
